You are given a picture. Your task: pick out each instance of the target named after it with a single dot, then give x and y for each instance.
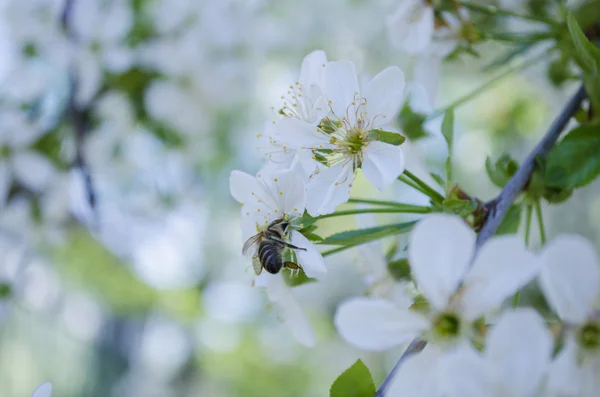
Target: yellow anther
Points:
(281, 193)
(275, 179)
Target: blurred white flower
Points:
(570, 280)
(43, 390)
(343, 142)
(289, 310)
(440, 253)
(516, 356)
(267, 198)
(412, 25)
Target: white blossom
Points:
(570, 280)
(343, 143)
(440, 253)
(516, 356)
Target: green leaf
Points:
(461, 208)
(360, 236)
(438, 179)
(588, 53)
(512, 220)
(448, 132)
(592, 87)
(356, 381)
(399, 269)
(392, 138)
(306, 221)
(501, 171)
(412, 122)
(5, 290)
(588, 13)
(574, 162)
(297, 279)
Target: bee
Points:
(270, 245)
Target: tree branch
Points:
(499, 206)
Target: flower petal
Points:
(33, 170)
(439, 253)
(502, 266)
(564, 374)
(43, 390)
(519, 348)
(570, 277)
(311, 260)
(341, 86)
(373, 324)
(300, 135)
(329, 188)
(241, 186)
(313, 67)
(288, 187)
(290, 311)
(418, 375)
(463, 373)
(384, 94)
(383, 163)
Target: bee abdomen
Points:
(270, 257)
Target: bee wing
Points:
(257, 265)
(250, 242)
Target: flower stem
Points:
(493, 10)
(416, 183)
(540, 218)
(378, 202)
(517, 295)
(406, 209)
(479, 90)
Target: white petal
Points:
(384, 94)
(313, 66)
(418, 375)
(439, 253)
(373, 324)
(311, 260)
(341, 85)
(328, 189)
(564, 375)
(502, 266)
(43, 390)
(242, 185)
(427, 72)
(463, 373)
(300, 135)
(519, 348)
(421, 31)
(290, 311)
(383, 163)
(33, 170)
(570, 277)
(288, 187)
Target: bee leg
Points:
(293, 267)
(293, 246)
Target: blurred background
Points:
(120, 122)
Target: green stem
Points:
(378, 202)
(493, 10)
(424, 188)
(518, 38)
(409, 209)
(528, 216)
(479, 90)
(528, 224)
(540, 218)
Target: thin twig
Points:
(501, 204)
(77, 114)
(415, 346)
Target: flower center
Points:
(589, 336)
(446, 325)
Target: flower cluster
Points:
(329, 128)
(476, 345)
